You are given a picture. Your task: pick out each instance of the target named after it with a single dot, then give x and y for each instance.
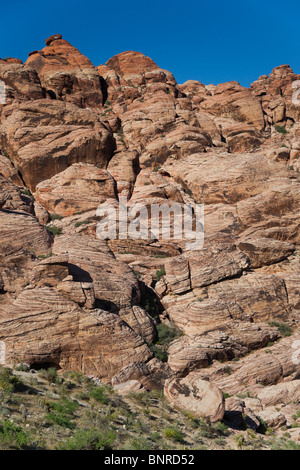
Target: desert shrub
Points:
(22, 368)
(50, 375)
(62, 412)
(240, 441)
(99, 394)
(84, 222)
(45, 256)
(173, 434)
(138, 443)
(160, 273)
(54, 230)
(281, 129)
(166, 334)
(12, 436)
(56, 217)
(283, 328)
(26, 192)
(220, 428)
(9, 383)
(283, 444)
(159, 352)
(150, 302)
(77, 377)
(91, 439)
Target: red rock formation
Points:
(67, 74)
(80, 303)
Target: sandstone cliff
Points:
(74, 136)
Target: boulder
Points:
(200, 397)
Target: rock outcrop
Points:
(153, 313)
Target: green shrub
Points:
(166, 334)
(77, 377)
(56, 217)
(150, 302)
(54, 230)
(50, 375)
(26, 192)
(281, 129)
(284, 329)
(60, 419)
(22, 368)
(12, 436)
(9, 383)
(90, 440)
(84, 222)
(62, 412)
(99, 394)
(138, 443)
(159, 352)
(160, 273)
(173, 434)
(45, 256)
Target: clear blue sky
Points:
(213, 42)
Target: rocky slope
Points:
(148, 314)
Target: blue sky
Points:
(213, 42)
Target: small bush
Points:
(56, 217)
(45, 256)
(173, 434)
(9, 383)
(160, 273)
(22, 368)
(12, 436)
(166, 334)
(159, 352)
(281, 129)
(62, 412)
(26, 192)
(139, 443)
(284, 329)
(99, 394)
(50, 375)
(84, 222)
(90, 440)
(54, 230)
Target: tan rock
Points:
(80, 188)
(200, 397)
(44, 137)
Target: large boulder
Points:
(198, 396)
(80, 188)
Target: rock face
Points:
(44, 137)
(153, 313)
(90, 341)
(67, 74)
(80, 188)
